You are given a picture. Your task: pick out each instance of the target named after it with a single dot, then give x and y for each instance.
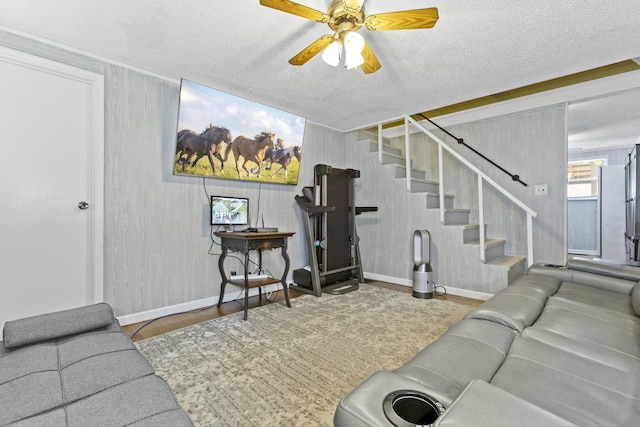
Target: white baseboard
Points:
(237, 292)
(232, 292)
(483, 296)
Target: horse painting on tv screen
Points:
(225, 136)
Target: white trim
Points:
(84, 53)
(96, 83)
(98, 132)
(483, 296)
(142, 316)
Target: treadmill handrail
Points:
(311, 208)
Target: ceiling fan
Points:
(345, 18)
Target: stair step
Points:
(508, 260)
(488, 243)
(373, 147)
(493, 248)
(433, 201)
(515, 264)
(456, 216)
(388, 159)
(424, 186)
(471, 232)
(363, 135)
(401, 172)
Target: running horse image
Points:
(252, 150)
(207, 143)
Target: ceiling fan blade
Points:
(312, 50)
(403, 20)
(371, 63)
(296, 9)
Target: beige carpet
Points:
(290, 367)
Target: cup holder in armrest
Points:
(408, 408)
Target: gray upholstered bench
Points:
(77, 368)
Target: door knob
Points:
(83, 205)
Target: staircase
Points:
(456, 220)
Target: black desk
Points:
(245, 243)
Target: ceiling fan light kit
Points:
(353, 46)
(345, 17)
(333, 53)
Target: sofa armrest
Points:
(364, 405)
(49, 326)
(482, 404)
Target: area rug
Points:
(291, 366)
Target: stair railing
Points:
(514, 177)
(482, 178)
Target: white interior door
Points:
(51, 157)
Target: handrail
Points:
(461, 141)
(482, 177)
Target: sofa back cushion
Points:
(635, 299)
(515, 307)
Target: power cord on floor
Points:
(197, 310)
(435, 290)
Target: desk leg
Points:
(224, 276)
(285, 287)
(246, 283)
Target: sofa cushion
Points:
(615, 284)
(42, 377)
(606, 332)
(603, 299)
(620, 271)
(469, 349)
(515, 307)
(574, 387)
(483, 404)
(546, 285)
(147, 400)
(55, 325)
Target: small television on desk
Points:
(229, 210)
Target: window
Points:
(583, 177)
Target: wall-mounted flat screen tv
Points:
(224, 136)
(229, 210)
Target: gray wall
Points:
(156, 233)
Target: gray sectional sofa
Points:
(77, 368)
(558, 347)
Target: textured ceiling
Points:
(610, 121)
(475, 49)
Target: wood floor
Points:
(153, 327)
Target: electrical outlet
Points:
(541, 190)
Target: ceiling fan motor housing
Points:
(341, 21)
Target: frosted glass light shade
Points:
(332, 53)
(353, 59)
(353, 42)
